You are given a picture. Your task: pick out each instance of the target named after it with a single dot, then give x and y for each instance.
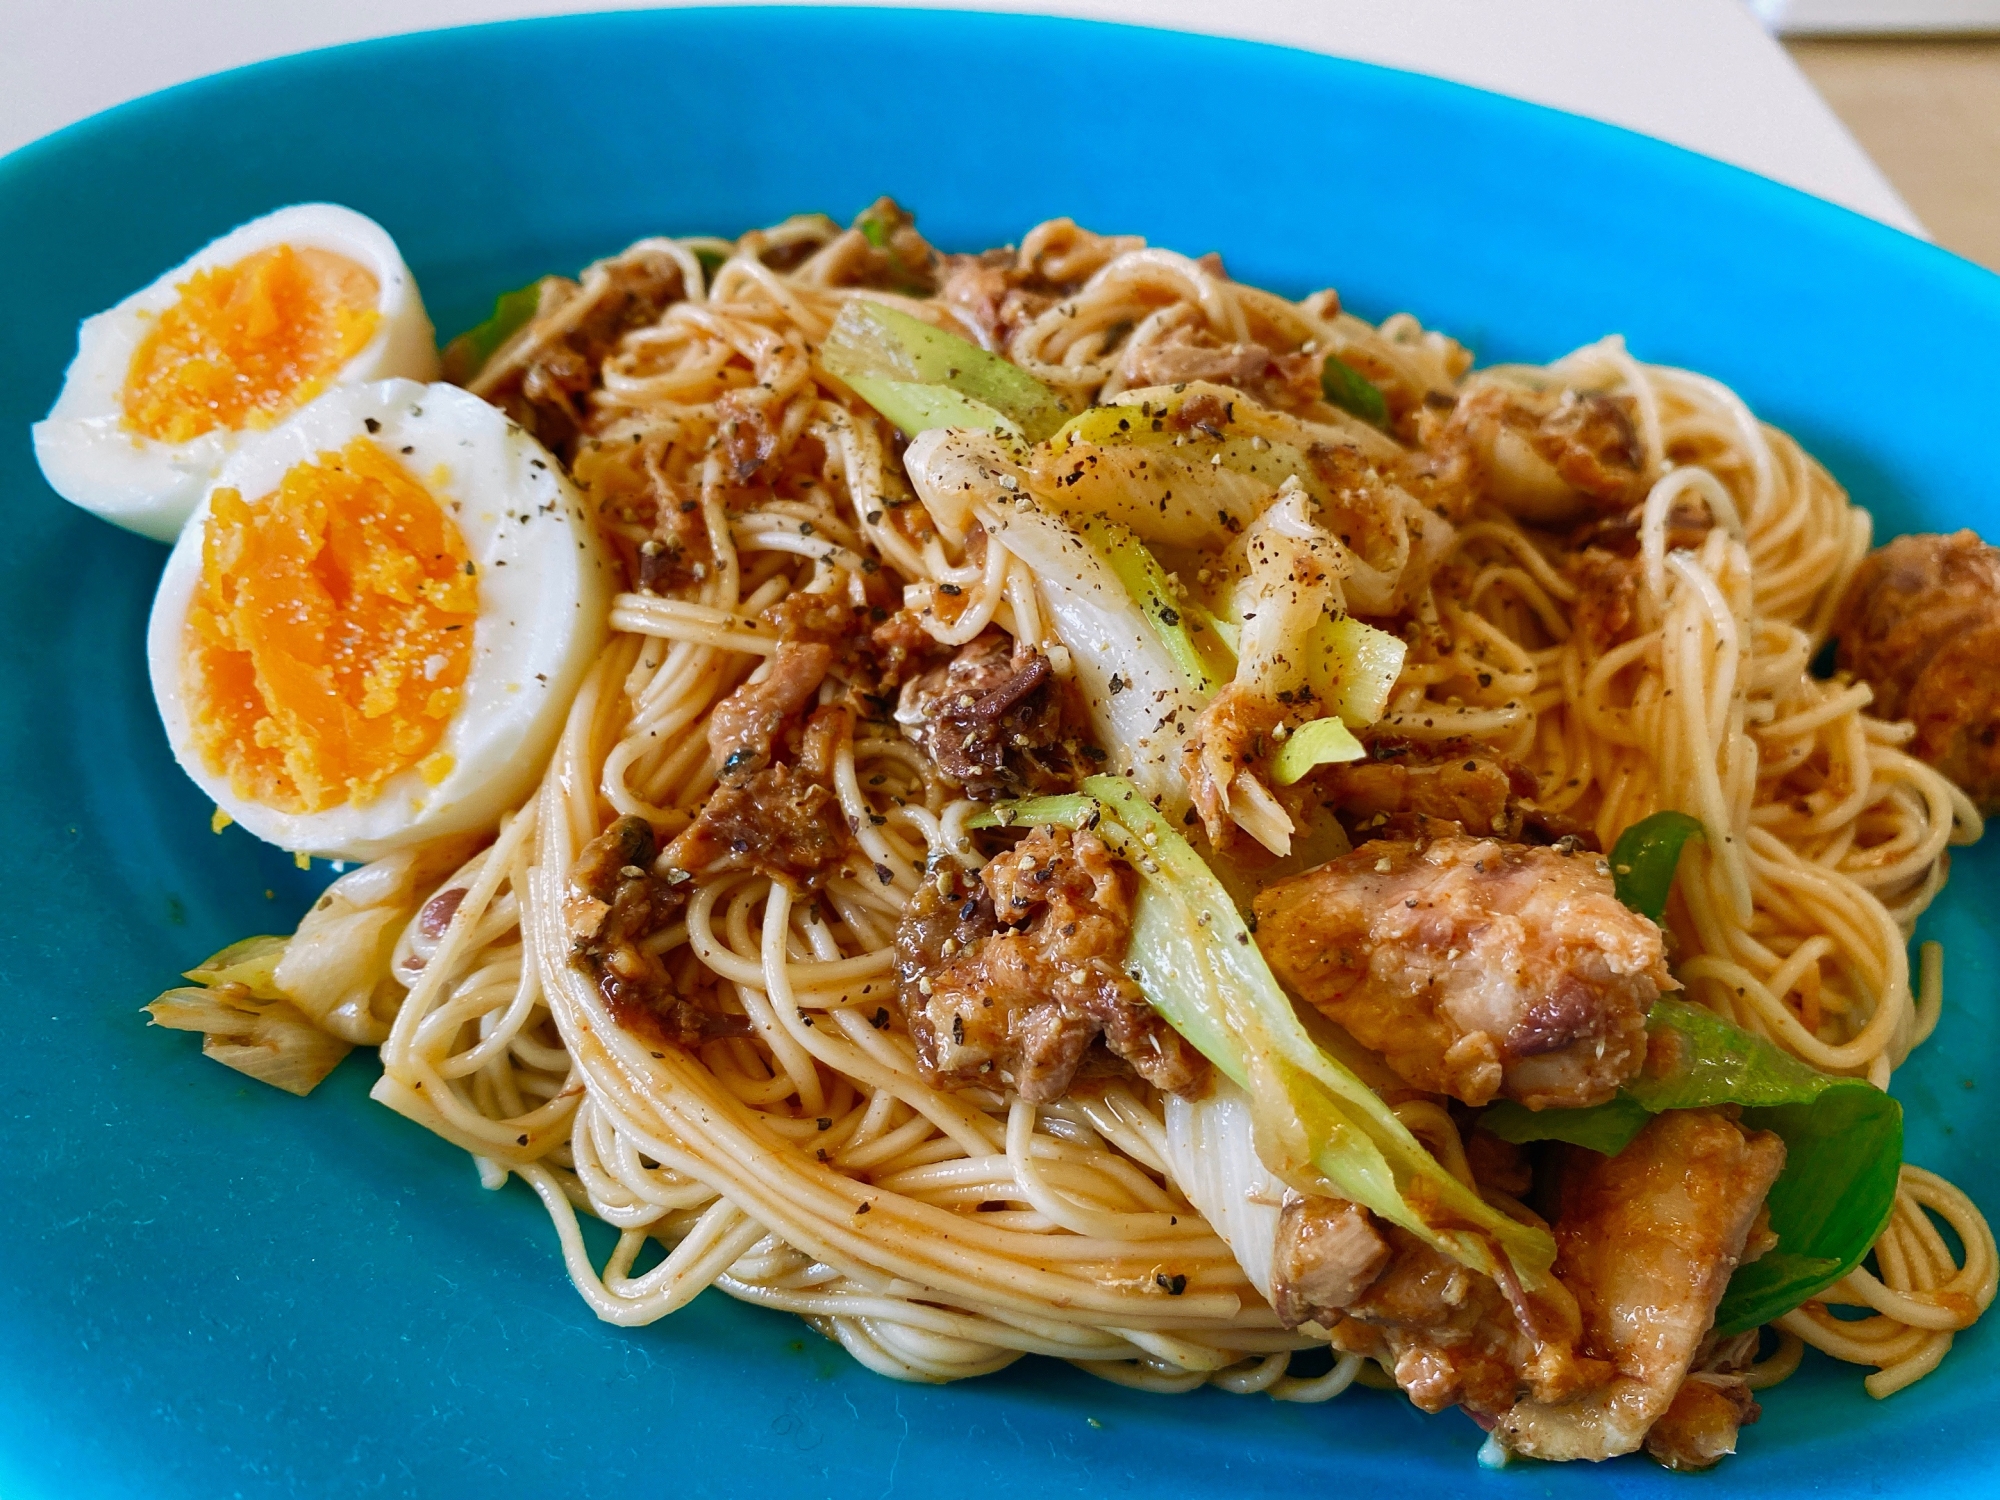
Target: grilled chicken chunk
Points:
(1477, 969)
(1647, 1241)
(1920, 624)
(1328, 1252)
(1452, 1337)
(1698, 1430)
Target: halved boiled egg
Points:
(370, 631)
(168, 383)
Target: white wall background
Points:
(1701, 73)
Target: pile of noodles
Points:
(936, 1233)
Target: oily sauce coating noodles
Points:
(792, 1153)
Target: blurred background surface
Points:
(1928, 112)
(1911, 137)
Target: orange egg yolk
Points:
(331, 632)
(248, 343)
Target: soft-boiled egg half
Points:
(167, 384)
(371, 629)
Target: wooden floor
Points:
(1929, 113)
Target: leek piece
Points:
(875, 346)
(1319, 743)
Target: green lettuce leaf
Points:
(1351, 391)
(465, 356)
(1843, 1148)
(1645, 857)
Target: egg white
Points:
(545, 588)
(91, 459)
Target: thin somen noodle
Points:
(796, 1157)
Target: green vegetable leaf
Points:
(1351, 391)
(1645, 857)
(1318, 1125)
(1843, 1143)
(1322, 742)
(1606, 1128)
(873, 229)
(466, 355)
(878, 348)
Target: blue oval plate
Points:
(208, 1288)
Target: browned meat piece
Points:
(1229, 741)
(819, 636)
(1603, 563)
(1647, 1241)
(1645, 1244)
(1018, 974)
(999, 295)
(898, 258)
(1607, 599)
(872, 652)
(743, 428)
(1478, 969)
(806, 617)
(549, 395)
(743, 725)
(784, 822)
(1550, 457)
(1920, 624)
(1688, 525)
(1407, 789)
(991, 719)
(1327, 1254)
(679, 552)
(1454, 780)
(1592, 442)
(1280, 378)
(1451, 1337)
(614, 902)
(1698, 1429)
(1003, 290)
(898, 647)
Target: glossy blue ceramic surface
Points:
(211, 1289)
